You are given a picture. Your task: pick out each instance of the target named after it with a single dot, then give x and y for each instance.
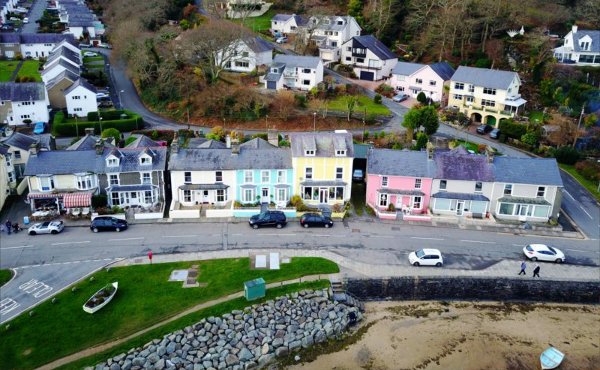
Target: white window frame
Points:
(149, 177)
(541, 191)
(112, 162)
(248, 195)
(478, 184)
(248, 176)
(308, 173)
(113, 179)
(46, 183)
(309, 153)
(382, 200)
(417, 204)
(339, 173)
(84, 182)
(281, 176)
(281, 195)
(187, 179)
(384, 181)
(445, 184)
(265, 176)
(508, 189)
(217, 175)
(418, 183)
(340, 153)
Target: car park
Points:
(426, 257)
(108, 223)
(269, 218)
(400, 98)
(315, 220)
(495, 133)
(358, 175)
(39, 128)
(542, 252)
(49, 227)
(484, 129)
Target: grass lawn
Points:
(536, 117)
(591, 186)
(262, 23)
(30, 68)
(97, 58)
(7, 67)
(5, 276)
(144, 298)
(339, 104)
(358, 197)
(217, 310)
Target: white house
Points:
(330, 33)
(247, 54)
(369, 57)
(67, 43)
(286, 23)
(296, 72)
(581, 47)
(57, 67)
(81, 98)
(66, 54)
(35, 45)
(414, 78)
(22, 103)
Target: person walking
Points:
(536, 270)
(523, 267)
(8, 225)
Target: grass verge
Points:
(217, 310)
(145, 297)
(7, 68)
(339, 104)
(30, 68)
(258, 24)
(589, 185)
(5, 276)
(358, 197)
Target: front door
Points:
(205, 196)
(324, 195)
(459, 208)
(124, 198)
(264, 195)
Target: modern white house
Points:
(581, 48)
(370, 59)
(286, 23)
(81, 98)
(23, 103)
(57, 67)
(247, 54)
(31, 45)
(65, 54)
(486, 95)
(414, 78)
(330, 33)
(294, 72)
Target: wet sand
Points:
(468, 336)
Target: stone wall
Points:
(468, 288)
(246, 339)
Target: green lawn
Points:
(217, 310)
(258, 24)
(144, 298)
(339, 104)
(591, 186)
(536, 117)
(358, 197)
(30, 68)
(5, 276)
(7, 67)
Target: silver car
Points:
(48, 227)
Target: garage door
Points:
(364, 75)
(272, 85)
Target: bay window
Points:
(85, 182)
(46, 183)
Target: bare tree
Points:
(351, 102)
(305, 34)
(380, 13)
(283, 104)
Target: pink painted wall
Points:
(426, 74)
(398, 183)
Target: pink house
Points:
(413, 78)
(399, 183)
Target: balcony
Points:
(356, 65)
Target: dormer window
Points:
(340, 153)
(145, 159)
(341, 23)
(112, 162)
(274, 70)
(309, 153)
(585, 45)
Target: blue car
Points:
(39, 128)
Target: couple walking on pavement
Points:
(536, 270)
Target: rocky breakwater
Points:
(246, 339)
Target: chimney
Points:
(235, 147)
(273, 138)
(430, 148)
(34, 149)
(228, 141)
(574, 29)
(99, 147)
(89, 131)
(490, 154)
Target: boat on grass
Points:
(101, 298)
(551, 358)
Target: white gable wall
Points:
(81, 101)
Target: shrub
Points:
(588, 169)
(422, 139)
(377, 99)
(99, 201)
(421, 98)
(512, 129)
(111, 133)
(481, 148)
(300, 100)
(385, 90)
(370, 211)
(566, 155)
(391, 207)
(295, 200)
(71, 128)
(530, 138)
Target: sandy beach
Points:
(468, 336)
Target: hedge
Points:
(109, 115)
(61, 128)
(512, 129)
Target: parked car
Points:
(25, 20)
(108, 223)
(543, 252)
(400, 98)
(315, 220)
(357, 175)
(484, 129)
(84, 45)
(102, 96)
(495, 133)
(269, 218)
(281, 40)
(90, 54)
(426, 257)
(39, 128)
(49, 227)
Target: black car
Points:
(106, 223)
(315, 219)
(269, 218)
(484, 129)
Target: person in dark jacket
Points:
(523, 267)
(8, 226)
(536, 271)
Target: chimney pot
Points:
(99, 146)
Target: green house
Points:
(254, 289)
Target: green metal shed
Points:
(254, 289)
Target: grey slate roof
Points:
(88, 142)
(65, 53)
(458, 164)
(390, 162)
(80, 82)
(593, 34)
(542, 171)
(324, 143)
(251, 156)
(293, 61)
(19, 140)
(300, 21)
(377, 47)
(143, 141)
(129, 159)
(66, 74)
(25, 91)
(332, 25)
(63, 63)
(443, 69)
(258, 45)
(491, 78)
(406, 69)
(35, 38)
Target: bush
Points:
(111, 133)
(422, 139)
(530, 138)
(300, 100)
(385, 90)
(421, 98)
(377, 99)
(588, 169)
(370, 211)
(566, 155)
(99, 201)
(295, 200)
(391, 207)
(71, 128)
(512, 129)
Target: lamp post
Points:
(100, 120)
(314, 121)
(579, 124)
(121, 101)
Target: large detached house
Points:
(31, 45)
(295, 72)
(286, 23)
(322, 165)
(330, 33)
(16, 151)
(581, 48)
(247, 54)
(486, 95)
(414, 78)
(80, 98)
(22, 103)
(370, 59)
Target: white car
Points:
(543, 252)
(426, 257)
(49, 227)
(89, 54)
(102, 96)
(25, 20)
(281, 40)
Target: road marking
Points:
(322, 235)
(124, 239)
(23, 246)
(417, 237)
(179, 236)
(570, 196)
(576, 250)
(586, 212)
(35, 288)
(62, 263)
(517, 245)
(65, 243)
(7, 305)
(278, 234)
(477, 241)
(381, 236)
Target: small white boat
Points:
(101, 298)
(551, 358)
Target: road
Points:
(35, 13)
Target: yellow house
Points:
(322, 163)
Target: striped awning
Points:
(71, 200)
(44, 195)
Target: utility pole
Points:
(579, 124)
(314, 121)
